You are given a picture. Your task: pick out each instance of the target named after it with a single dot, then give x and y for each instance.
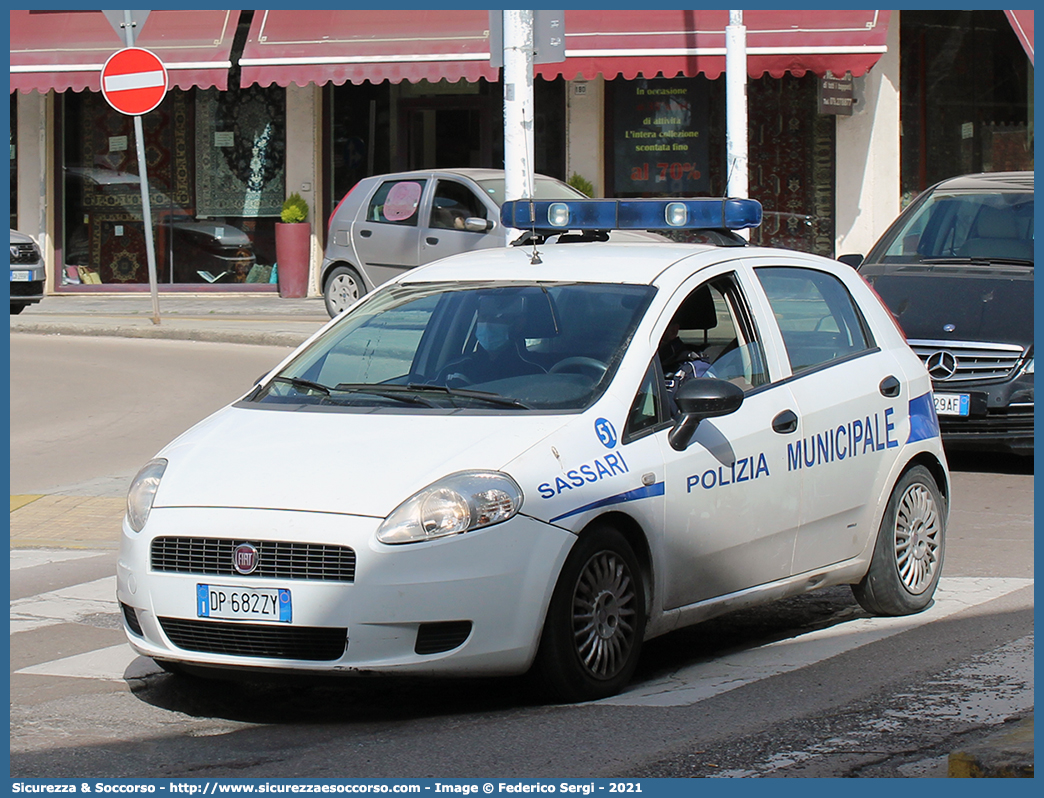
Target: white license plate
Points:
(244, 603)
(951, 404)
(20, 276)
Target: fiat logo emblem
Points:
(245, 558)
(941, 365)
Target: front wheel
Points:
(343, 287)
(908, 557)
(596, 620)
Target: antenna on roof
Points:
(530, 181)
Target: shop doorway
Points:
(445, 133)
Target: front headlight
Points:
(453, 505)
(1028, 368)
(142, 492)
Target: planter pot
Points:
(293, 256)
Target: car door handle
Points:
(431, 240)
(785, 422)
(890, 387)
(366, 233)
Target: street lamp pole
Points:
(736, 108)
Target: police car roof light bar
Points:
(632, 214)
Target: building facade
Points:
(850, 113)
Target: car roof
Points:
(470, 173)
(588, 262)
(990, 181)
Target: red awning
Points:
(64, 50)
(1022, 23)
(322, 46)
(689, 43)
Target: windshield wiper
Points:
(387, 391)
(485, 396)
(979, 259)
(414, 388)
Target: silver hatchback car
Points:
(390, 223)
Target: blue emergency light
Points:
(631, 214)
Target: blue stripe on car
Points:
(630, 496)
(924, 424)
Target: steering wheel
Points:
(580, 364)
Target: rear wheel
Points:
(908, 557)
(343, 288)
(596, 620)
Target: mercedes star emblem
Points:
(941, 365)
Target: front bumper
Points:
(29, 285)
(484, 594)
(1000, 417)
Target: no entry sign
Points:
(133, 81)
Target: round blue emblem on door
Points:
(606, 432)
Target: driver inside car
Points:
(499, 348)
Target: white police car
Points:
(478, 469)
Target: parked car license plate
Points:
(951, 404)
(243, 603)
(19, 276)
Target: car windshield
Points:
(544, 188)
(491, 346)
(962, 225)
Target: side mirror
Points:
(476, 224)
(851, 260)
(704, 397)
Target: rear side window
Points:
(817, 317)
(396, 202)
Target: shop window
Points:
(216, 174)
(967, 97)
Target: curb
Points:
(1005, 754)
(255, 337)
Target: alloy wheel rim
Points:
(346, 291)
(604, 615)
(917, 538)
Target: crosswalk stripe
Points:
(704, 680)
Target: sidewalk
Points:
(93, 522)
(264, 319)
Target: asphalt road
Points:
(807, 687)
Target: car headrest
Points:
(697, 311)
(996, 223)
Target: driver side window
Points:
(453, 203)
(712, 335)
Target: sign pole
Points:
(146, 203)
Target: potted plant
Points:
(293, 247)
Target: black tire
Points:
(908, 556)
(16, 308)
(596, 620)
(343, 287)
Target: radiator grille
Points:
(257, 640)
(971, 360)
(24, 255)
(276, 560)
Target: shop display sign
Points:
(660, 138)
(837, 95)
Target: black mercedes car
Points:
(956, 269)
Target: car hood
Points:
(21, 238)
(354, 463)
(983, 303)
